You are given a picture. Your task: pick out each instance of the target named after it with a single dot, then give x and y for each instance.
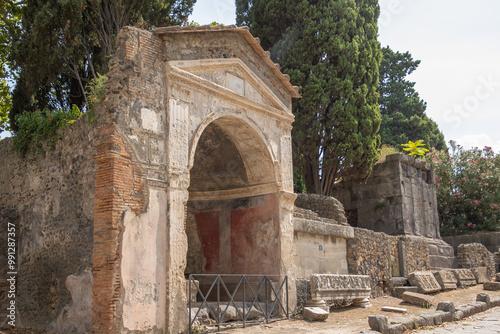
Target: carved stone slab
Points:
(340, 287)
(425, 281)
(465, 277)
(446, 279)
(482, 274)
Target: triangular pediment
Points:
(234, 75)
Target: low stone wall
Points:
(382, 257)
(475, 255)
(369, 253)
(491, 240)
(49, 199)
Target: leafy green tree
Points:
(9, 23)
(330, 50)
(63, 44)
(402, 109)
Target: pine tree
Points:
(402, 109)
(330, 50)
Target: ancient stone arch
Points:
(195, 127)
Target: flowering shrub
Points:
(468, 189)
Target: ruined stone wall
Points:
(475, 255)
(399, 197)
(323, 206)
(369, 253)
(416, 257)
(383, 256)
(491, 240)
(50, 199)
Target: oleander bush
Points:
(468, 189)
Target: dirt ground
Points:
(344, 320)
(352, 319)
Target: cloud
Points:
(480, 141)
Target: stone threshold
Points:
(445, 312)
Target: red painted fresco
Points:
(255, 239)
(208, 226)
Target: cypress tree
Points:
(330, 50)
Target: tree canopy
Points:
(403, 111)
(9, 23)
(63, 44)
(330, 50)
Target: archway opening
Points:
(232, 220)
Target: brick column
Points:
(119, 185)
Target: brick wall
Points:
(119, 184)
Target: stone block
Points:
(425, 281)
(340, 287)
(446, 278)
(446, 307)
(429, 319)
(465, 277)
(497, 277)
(408, 323)
(418, 299)
(482, 274)
(398, 291)
(396, 329)
(484, 297)
(459, 315)
(398, 281)
(315, 314)
(495, 301)
(378, 323)
(491, 286)
(318, 303)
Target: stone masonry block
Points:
(482, 274)
(425, 281)
(418, 299)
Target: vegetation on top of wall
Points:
(386, 150)
(39, 127)
(468, 189)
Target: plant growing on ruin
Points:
(40, 128)
(61, 45)
(415, 149)
(468, 189)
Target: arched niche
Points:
(233, 217)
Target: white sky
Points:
(458, 43)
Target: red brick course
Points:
(119, 185)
